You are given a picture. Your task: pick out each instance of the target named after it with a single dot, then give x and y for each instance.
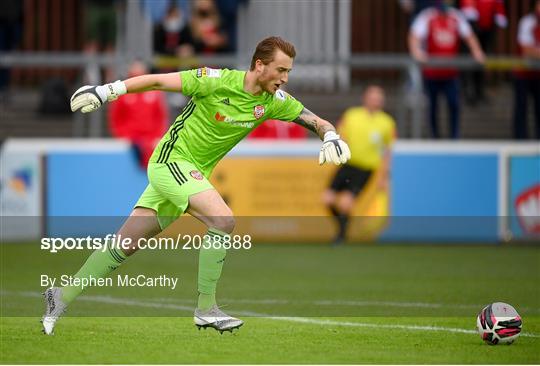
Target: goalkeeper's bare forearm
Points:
(89, 98)
(314, 123)
(166, 82)
(334, 149)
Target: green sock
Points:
(206, 301)
(210, 266)
(98, 265)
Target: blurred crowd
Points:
(438, 28)
(183, 28)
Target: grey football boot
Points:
(54, 307)
(217, 319)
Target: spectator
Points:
(204, 33)
(440, 27)
(528, 81)
(370, 132)
(140, 118)
(156, 10)
(274, 129)
(168, 34)
(484, 16)
(414, 7)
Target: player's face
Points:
(276, 73)
(374, 98)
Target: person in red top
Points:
(140, 118)
(528, 81)
(440, 28)
(484, 16)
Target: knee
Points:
(329, 197)
(346, 203)
(224, 223)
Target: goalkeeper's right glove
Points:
(334, 149)
(89, 98)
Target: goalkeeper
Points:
(226, 105)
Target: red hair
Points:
(266, 49)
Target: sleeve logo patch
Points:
(280, 94)
(206, 71)
(258, 111)
(212, 73)
(201, 72)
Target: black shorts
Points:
(349, 178)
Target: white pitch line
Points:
(235, 301)
(370, 325)
(398, 304)
(148, 304)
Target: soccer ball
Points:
(499, 323)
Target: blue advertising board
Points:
(91, 193)
(442, 197)
(435, 196)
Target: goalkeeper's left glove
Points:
(334, 149)
(89, 98)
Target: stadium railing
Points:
(411, 79)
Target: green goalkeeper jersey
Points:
(219, 115)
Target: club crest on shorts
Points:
(258, 111)
(196, 174)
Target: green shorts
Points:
(170, 187)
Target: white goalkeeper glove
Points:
(89, 98)
(334, 149)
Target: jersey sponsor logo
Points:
(225, 101)
(231, 121)
(222, 118)
(196, 174)
(258, 111)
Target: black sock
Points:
(342, 221)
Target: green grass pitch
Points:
(405, 304)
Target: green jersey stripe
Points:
(178, 125)
(177, 168)
(175, 175)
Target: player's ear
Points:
(259, 65)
